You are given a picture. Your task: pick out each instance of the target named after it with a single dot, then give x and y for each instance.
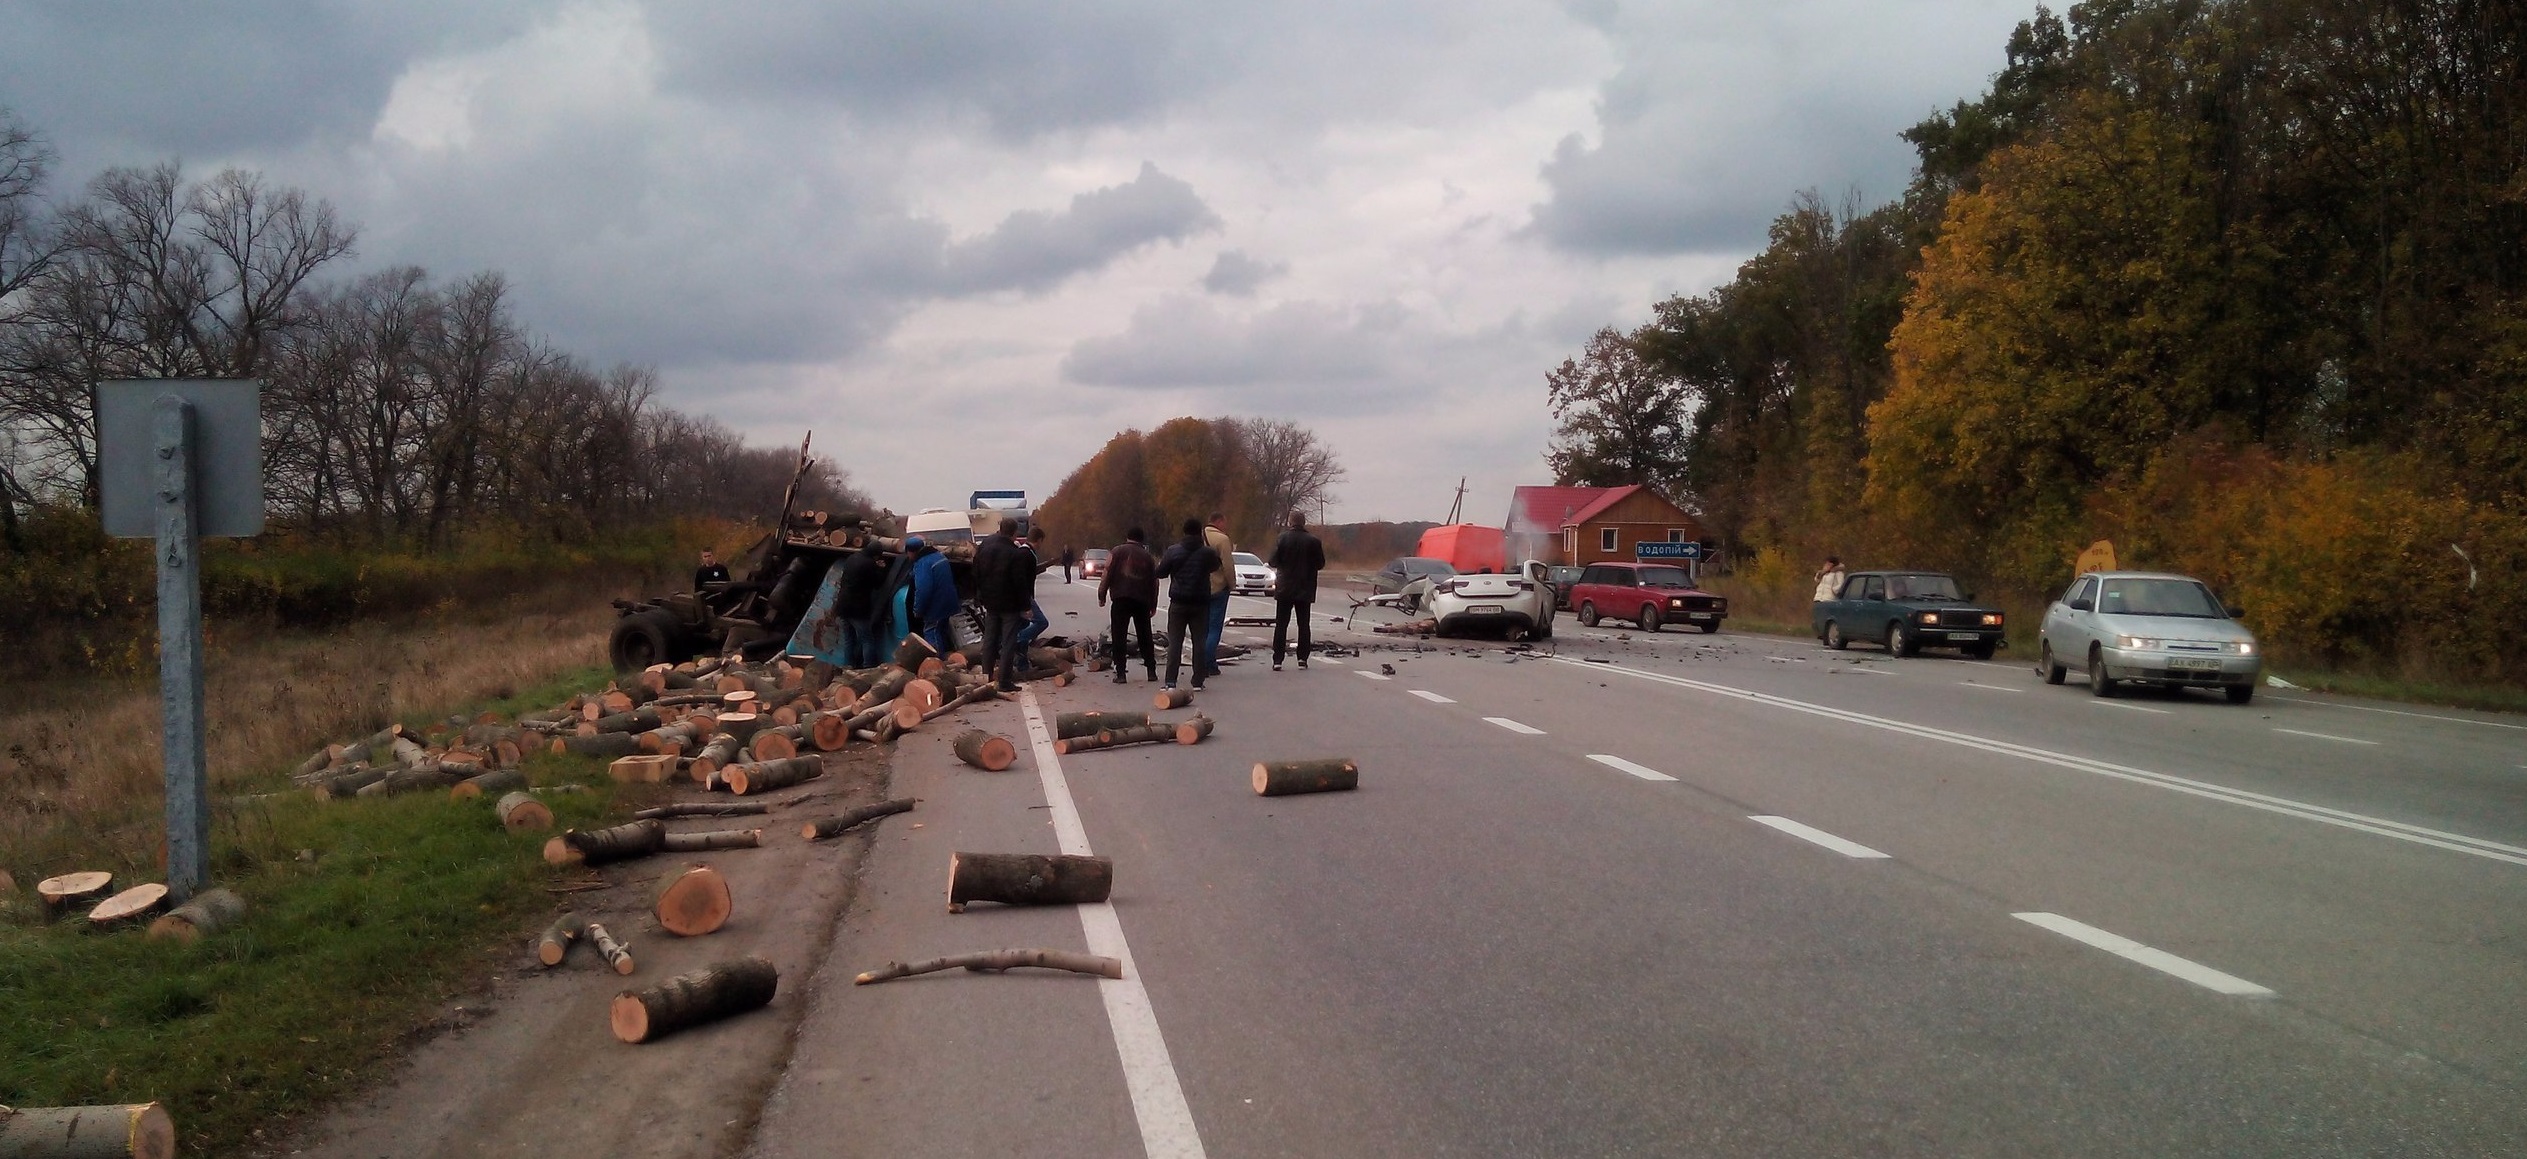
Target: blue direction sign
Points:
(1650, 549)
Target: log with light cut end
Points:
(674, 738)
(714, 839)
(694, 901)
(1193, 731)
(703, 809)
(887, 688)
(61, 893)
(1027, 879)
(714, 756)
(1173, 698)
(614, 952)
(931, 669)
(910, 654)
(553, 944)
(995, 960)
(485, 784)
(971, 695)
(770, 775)
(506, 752)
(210, 911)
(599, 846)
(520, 812)
(833, 826)
(1283, 778)
(741, 725)
(906, 715)
(138, 1131)
(775, 744)
(828, 731)
(1077, 724)
(605, 744)
(688, 1000)
(129, 904)
(986, 751)
(642, 768)
(921, 693)
(635, 722)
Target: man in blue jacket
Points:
(1187, 567)
(1004, 582)
(934, 600)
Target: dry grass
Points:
(80, 786)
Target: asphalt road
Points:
(1708, 895)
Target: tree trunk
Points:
(714, 756)
(349, 782)
(828, 731)
(519, 812)
(483, 784)
(553, 944)
(598, 846)
(687, 1000)
(922, 694)
(1173, 698)
(129, 904)
(776, 744)
(1194, 731)
(1283, 778)
(704, 809)
(613, 951)
(675, 738)
(886, 688)
(694, 901)
(741, 725)
(61, 894)
(914, 650)
(763, 778)
(1072, 724)
(142, 1131)
(1027, 879)
(210, 911)
(835, 825)
(985, 751)
(607, 745)
(997, 960)
(973, 694)
(1117, 738)
(426, 775)
(715, 839)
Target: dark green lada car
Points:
(1908, 611)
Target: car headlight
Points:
(2144, 643)
(1991, 619)
(2242, 647)
(1930, 617)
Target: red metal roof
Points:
(1612, 496)
(1547, 509)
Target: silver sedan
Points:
(2122, 627)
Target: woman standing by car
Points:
(1829, 580)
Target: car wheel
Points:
(2050, 668)
(639, 640)
(2099, 684)
(1587, 614)
(1899, 640)
(1649, 617)
(1711, 628)
(1834, 638)
(2240, 693)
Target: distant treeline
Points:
(2235, 283)
(1254, 471)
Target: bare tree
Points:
(1292, 470)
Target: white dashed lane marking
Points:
(1374, 675)
(2159, 960)
(1514, 726)
(2325, 736)
(1642, 771)
(1818, 836)
(1432, 697)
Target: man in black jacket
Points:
(1004, 581)
(856, 605)
(1187, 568)
(1295, 562)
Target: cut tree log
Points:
(519, 812)
(553, 944)
(693, 901)
(1027, 879)
(210, 911)
(605, 744)
(642, 768)
(921, 693)
(741, 725)
(599, 846)
(61, 893)
(887, 687)
(129, 904)
(689, 1000)
(828, 731)
(1173, 698)
(349, 782)
(995, 960)
(1283, 778)
(972, 694)
(674, 738)
(703, 809)
(636, 721)
(775, 744)
(315, 763)
(770, 775)
(614, 952)
(1074, 724)
(1117, 738)
(835, 825)
(986, 751)
(714, 839)
(910, 654)
(721, 750)
(138, 1131)
(1194, 731)
(485, 784)
(418, 778)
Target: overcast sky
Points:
(932, 228)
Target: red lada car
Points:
(1648, 594)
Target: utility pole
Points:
(1456, 510)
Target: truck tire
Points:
(640, 640)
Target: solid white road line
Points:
(2323, 815)
(2323, 735)
(2399, 712)
(1641, 771)
(2129, 707)
(1514, 726)
(2159, 960)
(1819, 836)
(1989, 687)
(1373, 675)
(1158, 1098)
(1432, 697)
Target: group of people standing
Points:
(879, 601)
(1200, 572)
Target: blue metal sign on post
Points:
(1652, 549)
(179, 459)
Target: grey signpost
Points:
(180, 459)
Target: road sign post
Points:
(180, 459)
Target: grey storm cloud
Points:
(1188, 342)
(1032, 249)
(1239, 276)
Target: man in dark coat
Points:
(1187, 567)
(856, 604)
(712, 571)
(1296, 560)
(1004, 582)
(1131, 577)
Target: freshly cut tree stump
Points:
(719, 752)
(142, 1131)
(688, 1000)
(703, 809)
(70, 889)
(1283, 778)
(1194, 731)
(520, 811)
(125, 906)
(613, 951)
(774, 744)
(992, 960)
(715, 839)
(907, 715)
(210, 911)
(599, 846)
(485, 784)
(910, 654)
(1027, 879)
(553, 944)
(828, 731)
(1077, 724)
(921, 694)
(770, 775)
(694, 901)
(605, 744)
(741, 725)
(819, 830)
(1173, 698)
(641, 768)
(985, 751)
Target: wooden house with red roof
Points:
(1585, 525)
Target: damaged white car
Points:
(1518, 605)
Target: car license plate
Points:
(1700, 616)
(1965, 635)
(2190, 664)
(1483, 610)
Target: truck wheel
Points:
(639, 641)
(1587, 614)
(1649, 617)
